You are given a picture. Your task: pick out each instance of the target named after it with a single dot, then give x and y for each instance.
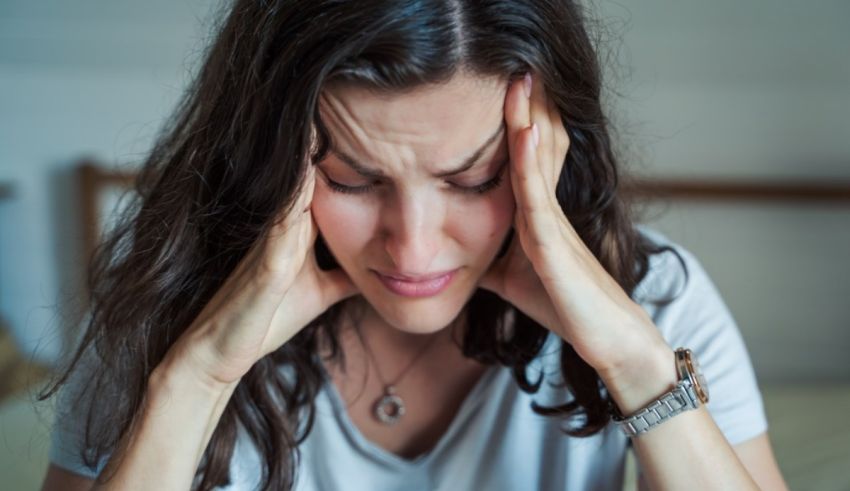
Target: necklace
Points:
(389, 408)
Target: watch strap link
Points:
(681, 398)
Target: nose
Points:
(413, 231)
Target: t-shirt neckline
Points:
(372, 449)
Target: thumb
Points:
(336, 285)
(493, 278)
(496, 277)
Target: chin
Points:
(415, 321)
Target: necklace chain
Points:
(389, 408)
(409, 365)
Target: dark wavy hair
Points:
(233, 154)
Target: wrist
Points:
(178, 370)
(634, 385)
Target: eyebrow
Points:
(464, 165)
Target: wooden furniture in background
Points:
(799, 466)
(18, 373)
(95, 180)
(728, 190)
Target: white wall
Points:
(757, 89)
(740, 89)
(77, 79)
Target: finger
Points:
(519, 118)
(308, 187)
(291, 217)
(527, 189)
(306, 232)
(516, 114)
(493, 276)
(539, 114)
(314, 142)
(560, 140)
(314, 229)
(529, 186)
(289, 238)
(336, 285)
(496, 277)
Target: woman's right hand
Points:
(273, 293)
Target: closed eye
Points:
(479, 189)
(488, 185)
(340, 188)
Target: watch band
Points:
(680, 399)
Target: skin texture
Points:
(412, 222)
(566, 285)
(548, 273)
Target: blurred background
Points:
(732, 117)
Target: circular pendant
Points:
(389, 408)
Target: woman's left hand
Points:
(549, 274)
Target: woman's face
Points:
(387, 206)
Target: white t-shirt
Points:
(496, 442)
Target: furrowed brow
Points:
(464, 165)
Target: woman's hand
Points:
(549, 274)
(276, 290)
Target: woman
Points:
(382, 247)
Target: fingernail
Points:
(535, 134)
(527, 84)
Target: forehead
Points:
(432, 124)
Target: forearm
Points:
(687, 451)
(173, 428)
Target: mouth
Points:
(422, 286)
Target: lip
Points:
(423, 286)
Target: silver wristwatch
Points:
(689, 393)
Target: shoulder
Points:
(669, 268)
(689, 311)
(73, 405)
(679, 294)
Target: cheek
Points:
(481, 224)
(344, 223)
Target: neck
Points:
(361, 324)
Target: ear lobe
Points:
(506, 244)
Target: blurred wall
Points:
(77, 79)
(757, 89)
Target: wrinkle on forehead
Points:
(424, 129)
